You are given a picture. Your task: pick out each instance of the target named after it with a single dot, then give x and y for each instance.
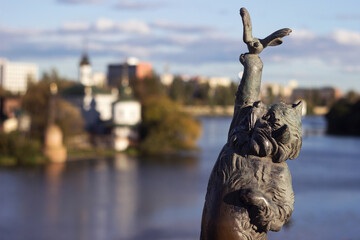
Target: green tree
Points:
(53, 76)
(177, 89)
(201, 94)
(149, 86)
(317, 101)
(270, 95)
(352, 96)
(166, 128)
(344, 116)
(189, 94)
(224, 96)
(36, 102)
(16, 149)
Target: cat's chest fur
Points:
(255, 172)
(238, 172)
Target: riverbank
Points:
(205, 110)
(209, 110)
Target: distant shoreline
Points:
(199, 110)
(209, 110)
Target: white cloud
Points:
(103, 24)
(131, 50)
(176, 43)
(129, 26)
(134, 26)
(170, 26)
(96, 47)
(79, 1)
(19, 31)
(302, 34)
(75, 26)
(137, 5)
(346, 37)
(352, 68)
(183, 39)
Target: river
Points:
(128, 199)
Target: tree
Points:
(201, 94)
(177, 89)
(165, 128)
(53, 76)
(189, 93)
(16, 149)
(352, 96)
(270, 95)
(344, 116)
(149, 86)
(36, 103)
(224, 96)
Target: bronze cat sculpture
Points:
(250, 190)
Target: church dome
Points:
(84, 60)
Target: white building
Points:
(219, 81)
(126, 116)
(167, 79)
(99, 79)
(127, 112)
(86, 77)
(95, 104)
(102, 102)
(14, 76)
(214, 81)
(278, 90)
(85, 71)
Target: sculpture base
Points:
(56, 155)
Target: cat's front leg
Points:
(264, 213)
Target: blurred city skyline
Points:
(196, 38)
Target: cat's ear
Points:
(298, 107)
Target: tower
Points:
(85, 77)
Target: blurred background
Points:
(113, 113)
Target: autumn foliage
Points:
(166, 128)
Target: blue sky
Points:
(195, 37)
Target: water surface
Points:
(124, 198)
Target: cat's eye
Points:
(266, 117)
(271, 118)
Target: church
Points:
(107, 114)
(87, 77)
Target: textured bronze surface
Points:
(250, 190)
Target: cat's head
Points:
(273, 131)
